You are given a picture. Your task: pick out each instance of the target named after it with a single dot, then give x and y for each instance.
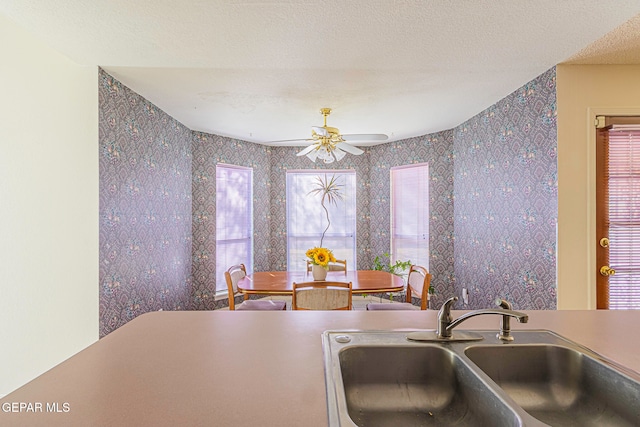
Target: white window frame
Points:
(410, 207)
(242, 234)
(299, 239)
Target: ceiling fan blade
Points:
(307, 150)
(320, 130)
(349, 148)
(286, 141)
(357, 137)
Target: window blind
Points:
(624, 216)
(234, 220)
(410, 214)
(306, 220)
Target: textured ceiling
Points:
(621, 46)
(260, 70)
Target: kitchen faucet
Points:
(446, 322)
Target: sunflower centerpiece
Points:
(320, 259)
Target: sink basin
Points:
(561, 386)
(383, 378)
(414, 386)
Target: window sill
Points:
(220, 296)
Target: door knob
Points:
(605, 270)
(604, 242)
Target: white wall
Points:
(584, 91)
(48, 207)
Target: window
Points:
(410, 214)
(306, 220)
(234, 220)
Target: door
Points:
(618, 212)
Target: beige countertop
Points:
(225, 368)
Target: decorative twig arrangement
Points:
(331, 192)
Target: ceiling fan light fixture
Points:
(312, 155)
(339, 154)
(324, 154)
(329, 145)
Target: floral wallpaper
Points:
(209, 150)
(493, 203)
(145, 207)
(506, 210)
(436, 150)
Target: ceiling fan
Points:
(328, 145)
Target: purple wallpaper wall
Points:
(209, 150)
(435, 149)
(493, 203)
(145, 207)
(505, 175)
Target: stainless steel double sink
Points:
(380, 378)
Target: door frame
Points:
(591, 263)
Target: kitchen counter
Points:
(226, 368)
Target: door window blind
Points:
(234, 220)
(624, 216)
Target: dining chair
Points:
(339, 265)
(321, 296)
(233, 276)
(418, 283)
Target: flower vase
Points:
(318, 272)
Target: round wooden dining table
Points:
(281, 282)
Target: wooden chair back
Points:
(321, 296)
(418, 283)
(232, 277)
(339, 265)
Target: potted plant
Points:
(399, 268)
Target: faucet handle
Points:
(505, 324)
(445, 319)
(445, 310)
(449, 302)
(503, 303)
